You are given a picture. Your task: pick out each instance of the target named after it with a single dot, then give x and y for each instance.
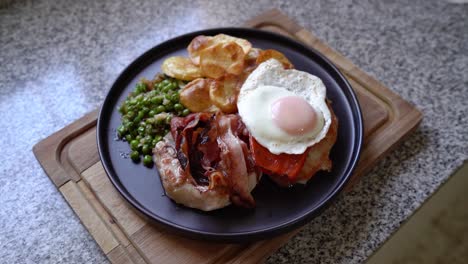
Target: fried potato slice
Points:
(202, 42)
(181, 68)
(224, 95)
(221, 58)
(274, 54)
(250, 61)
(223, 38)
(197, 45)
(196, 95)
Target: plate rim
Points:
(243, 236)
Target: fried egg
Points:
(284, 110)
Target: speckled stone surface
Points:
(59, 58)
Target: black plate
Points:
(278, 210)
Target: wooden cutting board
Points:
(70, 158)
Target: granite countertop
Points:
(59, 58)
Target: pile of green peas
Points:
(147, 114)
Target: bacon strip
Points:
(233, 161)
(213, 150)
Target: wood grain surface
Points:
(70, 159)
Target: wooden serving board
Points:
(70, 158)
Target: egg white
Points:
(270, 82)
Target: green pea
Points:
(158, 138)
(130, 114)
(160, 109)
(135, 156)
(125, 119)
(152, 112)
(138, 138)
(168, 119)
(165, 82)
(141, 114)
(160, 86)
(157, 100)
(137, 119)
(149, 121)
(147, 160)
(141, 130)
(185, 112)
(146, 149)
(168, 96)
(159, 121)
(134, 144)
(178, 107)
(166, 88)
(146, 101)
(175, 97)
(121, 131)
(140, 87)
(154, 142)
(174, 86)
(123, 109)
(148, 128)
(169, 106)
(128, 137)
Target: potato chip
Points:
(221, 58)
(274, 54)
(181, 68)
(223, 38)
(224, 95)
(196, 95)
(196, 45)
(250, 61)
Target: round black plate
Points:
(278, 210)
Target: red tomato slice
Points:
(283, 164)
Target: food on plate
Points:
(147, 113)
(224, 94)
(284, 110)
(201, 43)
(265, 55)
(196, 95)
(222, 58)
(217, 119)
(286, 113)
(211, 95)
(288, 169)
(181, 68)
(205, 162)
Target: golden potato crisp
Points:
(196, 95)
(224, 95)
(221, 58)
(196, 45)
(250, 61)
(274, 54)
(181, 68)
(223, 38)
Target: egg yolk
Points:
(293, 115)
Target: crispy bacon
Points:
(213, 150)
